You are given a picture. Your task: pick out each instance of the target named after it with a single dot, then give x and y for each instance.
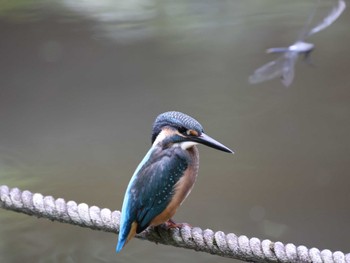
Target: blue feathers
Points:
(120, 245)
(175, 119)
(150, 189)
(125, 222)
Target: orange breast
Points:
(182, 189)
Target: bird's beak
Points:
(208, 141)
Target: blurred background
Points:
(82, 81)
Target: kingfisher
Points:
(165, 176)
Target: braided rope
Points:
(217, 243)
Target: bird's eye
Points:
(187, 132)
(182, 130)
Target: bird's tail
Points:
(125, 234)
(120, 245)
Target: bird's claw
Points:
(171, 224)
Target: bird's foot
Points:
(171, 224)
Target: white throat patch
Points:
(161, 136)
(186, 145)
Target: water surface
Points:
(82, 81)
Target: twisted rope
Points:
(217, 243)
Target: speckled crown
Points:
(175, 119)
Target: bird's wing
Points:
(330, 18)
(153, 187)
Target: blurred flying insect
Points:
(283, 66)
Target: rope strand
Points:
(216, 243)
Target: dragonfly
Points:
(283, 66)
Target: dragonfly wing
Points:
(307, 27)
(288, 68)
(277, 50)
(271, 70)
(330, 18)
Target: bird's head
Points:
(174, 128)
